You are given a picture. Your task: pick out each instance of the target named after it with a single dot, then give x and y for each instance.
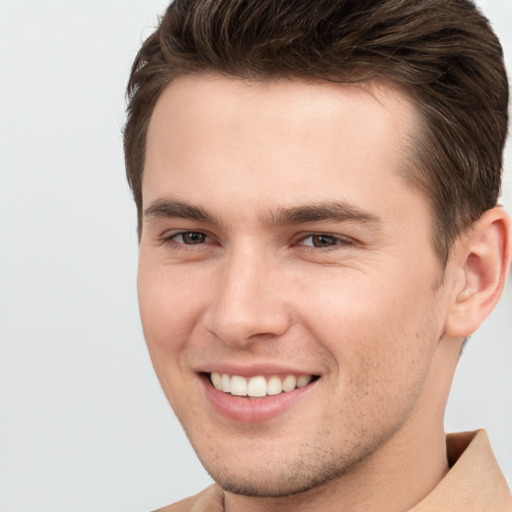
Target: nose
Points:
(248, 303)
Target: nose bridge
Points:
(247, 304)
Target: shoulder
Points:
(210, 499)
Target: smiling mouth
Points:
(258, 386)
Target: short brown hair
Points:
(442, 52)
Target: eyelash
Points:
(172, 238)
(338, 240)
(169, 241)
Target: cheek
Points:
(381, 348)
(375, 329)
(169, 306)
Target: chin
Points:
(286, 476)
(271, 485)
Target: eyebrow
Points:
(334, 211)
(166, 208)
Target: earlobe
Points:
(482, 259)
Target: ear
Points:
(482, 259)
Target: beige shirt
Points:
(473, 484)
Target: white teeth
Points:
(257, 386)
(226, 383)
(238, 386)
(217, 380)
(289, 383)
(303, 380)
(274, 386)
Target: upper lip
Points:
(255, 369)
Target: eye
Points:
(323, 241)
(189, 238)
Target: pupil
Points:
(322, 241)
(193, 238)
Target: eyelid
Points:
(341, 241)
(169, 237)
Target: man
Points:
(317, 186)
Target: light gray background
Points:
(83, 423)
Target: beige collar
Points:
(474, 483)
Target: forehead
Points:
(275, 139)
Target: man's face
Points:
(281, 244)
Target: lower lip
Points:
(252, 410)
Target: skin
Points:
(360, 302)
